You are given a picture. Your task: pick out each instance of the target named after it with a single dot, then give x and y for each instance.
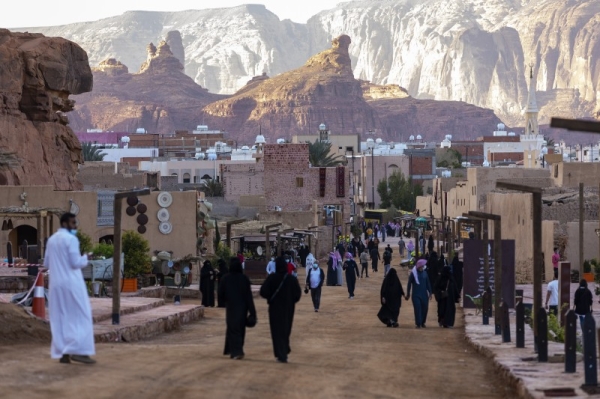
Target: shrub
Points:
(103, 249)
(136, 249)
(85, 242)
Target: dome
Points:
(501, 126)
(125, 139)
(322, 126)
(212, 156)
(245, 148)
(200, 155)
(370, 140)
(379, 141)
(260, 139)
(419, 137)
(411, 138)
(512, 134)
(280, 141)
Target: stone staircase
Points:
(140, 318)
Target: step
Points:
(102, 307)
(141, 325)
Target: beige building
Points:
(570, 174)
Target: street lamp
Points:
(371, 146)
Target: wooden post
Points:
(228, 232)
(564, 285)
(486, 256)
(51, 224)
(542, 338)
(497, 270)
(505, 322)
(116, 282)
(46, 234)
(581, 230)
(570, 342)
(268, 239)
(40, 235)
(537, 252)
(520, 324)
(589, 350)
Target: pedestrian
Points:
(430, 244)
(235, 292)
(446, 296)
(388, 248)
(391, 299)
(364, 263)
(303, 253)
(401, 246)
(583, 301)
(374, 258)
(457, 272)
(291, 267)
(223, 270)
(432, 267)
(314, 281)
(410, 246)
(419, 283)
(387, 261)
(552, 295)
(69, 304)
(351, 269)
(555, 259)
(271, 266)
(240, 256)
(332, 266)
(422, 244)
(207, 284)
(281, 292)
(339, 270)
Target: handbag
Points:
(444, 294)
(277, 290)
(251, 321)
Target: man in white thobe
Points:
(69, 305)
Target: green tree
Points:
(399, 192)
(319, 155)
(213, 188)
(549, 142)
(137, 259)
(91, 152)
(85, 242)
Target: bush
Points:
(222, 251)
(587, 266)
(137, 259)
(103, 249)
(85, 242)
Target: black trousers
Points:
(315, 294)
(364, 268)
(374, 265)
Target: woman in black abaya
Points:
(223, 270)
(235, 293)
(207, 284)
(391, 299)
(446, 295)
(281, 291)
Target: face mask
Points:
(315, 266)
(73, 231)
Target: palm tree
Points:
(549, 142)
(91, 152)
(319, 155)
(213, 188)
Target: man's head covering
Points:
(349, 256)
(207, 263)
(235, 265)
(280, 265)
(420, 263)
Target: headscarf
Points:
(235, 265)
(310, 260)
(281, 265)
(420, 263)
(410, 246)
(349, 256)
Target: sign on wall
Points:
(322, 181)
(473, 273)
(341, 181)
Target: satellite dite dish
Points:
(259, 250)
(163, 215)
(164, 199)
(165, 228)
(186, 270)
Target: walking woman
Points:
(207, 284)
(419, 283)
(351, 269)
(236, 294)
(446, 296)
(223, 270)
(391, 299)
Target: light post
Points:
(371, 146)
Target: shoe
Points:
(418, 326)
(82, 359)
(281, 360)
(65, 359)
(240, 357)
(395, 325)
(317, 310)
(367, 276)
(389, 324)
(423, 325)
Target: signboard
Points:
(322, 181)
(474, 271)
(341, 181)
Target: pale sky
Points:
(34, 13)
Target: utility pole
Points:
(581, 230)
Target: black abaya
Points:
(331, 274)
(392, 292)
(457, 271)
(446, 303)
(236, 294)
(352, 273)
(281, 307)
(207, 284)
(222, 272)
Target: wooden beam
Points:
(578, 125)
(518, 187)
(228, 231)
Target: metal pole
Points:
(537, 254)
(373, 175)
(581, 230)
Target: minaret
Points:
(531, 113)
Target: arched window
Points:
(186, 178)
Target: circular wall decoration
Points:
(177, 279)
(141, 229)
(163, 215)
(130, 210)
(170, 263)
(165, 267)
(165, 228)
(142, 208)
(186, 270)
(164, 199)
(142, 219)
(132, 200)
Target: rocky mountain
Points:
(161, 98)
(37, 75)
(461, 50)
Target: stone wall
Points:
(590, 242)
(242, 179)
(570, 174)
(101, 175)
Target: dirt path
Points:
(341, 352)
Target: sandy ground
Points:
(341, 352)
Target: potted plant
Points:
(587, 271)
(137, 259)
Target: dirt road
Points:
(341, 352)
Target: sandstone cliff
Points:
(159, 98)
(37, 75)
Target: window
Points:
(299, 182)
(186, 178)
(555, 171)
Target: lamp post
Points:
(371, 146)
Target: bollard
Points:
(487, 306)
(542, 335)
(589, 350)
(505, 322)
(9, 254)
(570, 342)
(520, 321)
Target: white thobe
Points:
(69, 304)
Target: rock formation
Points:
(460, 50)
(37, 75)
(175, 42)
(159, 98)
